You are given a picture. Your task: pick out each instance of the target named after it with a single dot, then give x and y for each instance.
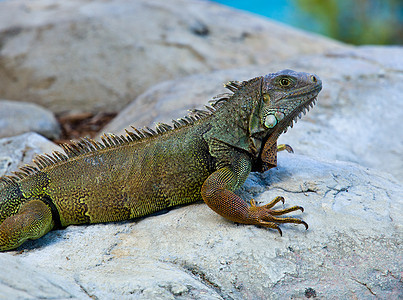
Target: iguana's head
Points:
(286, 95)
(260, 109)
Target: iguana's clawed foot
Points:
(264, 215)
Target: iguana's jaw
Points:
(284, 117)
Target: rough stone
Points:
(99, 55)
(352, 248)
(20, 117)
(19, 150)
(356, 119)
(20, 280)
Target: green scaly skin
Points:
(206, 156)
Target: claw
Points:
(265, 216)
(283, 147)
(252, 202)
(279, 231)
(274, 202)
(270, 225)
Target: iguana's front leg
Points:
(33, 220)
(217, 192)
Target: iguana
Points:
(204, 156)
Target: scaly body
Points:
(206, 157)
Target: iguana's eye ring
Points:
(284, 82)
(313, 78)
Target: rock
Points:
(148, 279)
(99, 55)
(19, 280)
(19, 150)
(356, 119)
(20, 117)
(351, 249)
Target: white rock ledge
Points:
(351, 249)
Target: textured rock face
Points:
(352, 248)
(353, 245)
(19, 280)
(356, 119)
(92, 55)
(99, 55)
(19, 150)
(20, 117)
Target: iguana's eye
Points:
(284, 82)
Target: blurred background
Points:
(356, 22)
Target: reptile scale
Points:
(204, 156)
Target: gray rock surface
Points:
(20, 280)
(99, 55)
(358, 116)
(19, 150)
(352, 248)
(20, 117)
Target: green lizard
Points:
(204, 156)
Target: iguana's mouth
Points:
(299, 112)
(295, 106)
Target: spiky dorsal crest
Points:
(87, 145)
(219, 100)
(234, 86)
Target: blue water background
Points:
(377, 22)
(284, 11)
(280, 10)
